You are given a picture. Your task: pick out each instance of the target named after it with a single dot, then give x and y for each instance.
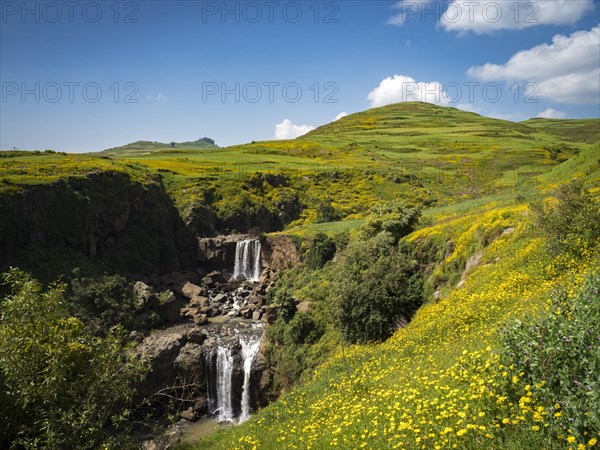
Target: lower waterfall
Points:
(224, 407)
(247, 264)
(229, 369)
(250, 349)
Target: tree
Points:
(378, 286)
(60, 386)
(394, 216)
(321, 250)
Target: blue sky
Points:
(85, 76)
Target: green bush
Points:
(60, 387)
(303, 329)
(394, 217)
(321, 250)
(559, 358)
(103, 302)
(570, 219)
(377, 287)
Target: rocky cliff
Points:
(105, 218)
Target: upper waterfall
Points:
(247, 260)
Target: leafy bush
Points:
(303, 329)
(103, 302)
(59, 386)
(321, 250)
(559, 359)
(394, 216)
(570, 219)
(377, 286)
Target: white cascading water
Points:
(224, 407)
(250, 346)
(247, 260)
(223, 387)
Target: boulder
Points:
(196, 335)
(303, 307)
(200, 405)
(190, 290)
(189, 415)
(190, 360)
(221, 298)
(200, 319)
(142, 294)
(200, 301)
(256, 315)
(162, 350)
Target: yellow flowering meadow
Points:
(435, 384)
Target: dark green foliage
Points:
(326, 211)
(60, 387)
(303, 329)
(321, 250)
(559, 357)
(103, 302)
(394, 216)
(282, 298)
(377, 286)
(570, 221)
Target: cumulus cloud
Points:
(288, 130)
(566, 71)
(469, 107)
(407, 9)
(513, 117)
(157, 98)
(340, 115)
(402, 88)
(488, 16)
(552, 114)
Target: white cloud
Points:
(340, 115)
(408, 8)
(552, 114)
(513, 117)
(469, 107)
(566, 71)
(488, 16)
(157, 98)
(288, 130)
(401, 88)
(573, 88)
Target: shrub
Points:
(303, 329)
(103, 302)
(559, 359)
(377, 286)
(570, 219)
(59, 386)
(321, 250)
(394, 217)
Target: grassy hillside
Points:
(440, 382)
(443, 381)
(146, 147)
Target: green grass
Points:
(425, 154)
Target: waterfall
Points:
(250, 347)
(229, 373)
(247, 260)
(224, 407)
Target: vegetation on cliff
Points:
(449, 262)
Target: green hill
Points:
(145, 147)
(496, 200)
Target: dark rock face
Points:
(217, 253)
(127, 226)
